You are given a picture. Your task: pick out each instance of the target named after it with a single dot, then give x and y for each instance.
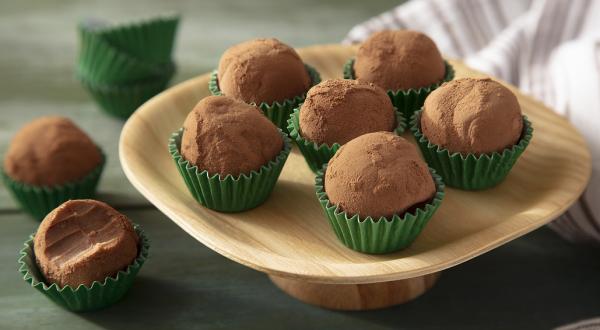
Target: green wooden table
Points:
(537, 281)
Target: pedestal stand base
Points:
(356, 296)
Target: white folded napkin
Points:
(548, 48)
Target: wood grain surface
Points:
(356, 297)
(289, 236)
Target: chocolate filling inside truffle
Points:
(83, 241)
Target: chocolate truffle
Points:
(262, 70)
(82, 241)
(477, 116)
(50, 151)
(226, 136)
(339, 110)
(399, 59)
(378, 174)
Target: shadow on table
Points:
(154, 303)
(538, 282)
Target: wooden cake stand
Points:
(289, 237)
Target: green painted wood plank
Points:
(39, 48)
(535, 282)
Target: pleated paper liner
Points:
(318, 155)
(101, 63)
(38, 201)
(383, 235)
(470, 172)
(150, 40)
(410, 100)
(122, 101)
(98, 295)
(277, 112)
(229, 194)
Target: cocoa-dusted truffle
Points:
(82, 241)
(378, 174)
(226, 136)
(477, 116)
(50, 151)
(262, 70)
(339, 110)
(399, 59)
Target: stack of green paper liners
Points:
(122, 66)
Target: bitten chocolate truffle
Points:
(50, 151)
(82, 241)
(477, 116)
(339, 110)
(262, 70)
(226, 136)
(378, 174)
(399, 59)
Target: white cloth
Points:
(591, 324)
(548, 48)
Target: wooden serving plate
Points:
(289, 237)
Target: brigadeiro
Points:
(407, 64)
(468, 115)
(262, 70)
(377, 193)
(378, 175)
(399, 59)
(50, 151)
(83, 241)
(472, 132)
(226, 136)
(51, 160)
(229, 154)
(338, 110)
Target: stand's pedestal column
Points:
(356, 296)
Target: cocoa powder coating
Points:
(339, 110)
(262, 70)
(477, 116)
(378, 174)
(226, 136)
(399, 59)
(82, 241)
(50, 151)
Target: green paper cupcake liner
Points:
(383, 235)
(102, 63)
(38, 201)
(122, 101)
(277, 112)
(317, 155)
(410, 100)
(150, 40)
(470, 172)
(229, 194)
(98, 295)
